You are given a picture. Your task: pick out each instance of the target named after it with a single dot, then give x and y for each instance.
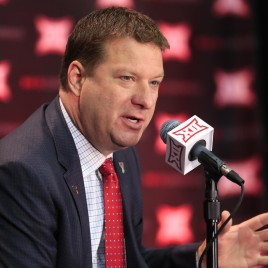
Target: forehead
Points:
(129, 51)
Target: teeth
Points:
(133, 120)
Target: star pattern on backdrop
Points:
(174, 225)
(231, 7)
(53, 34)
(178, 36)
(234, 88)
(5, 91)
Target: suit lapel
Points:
(69, 159)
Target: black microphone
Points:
(187, 142)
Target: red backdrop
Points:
(211, 71)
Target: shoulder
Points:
(31, 143)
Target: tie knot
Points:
(107, 167)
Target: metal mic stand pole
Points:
(212, 216)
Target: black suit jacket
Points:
(43, 210)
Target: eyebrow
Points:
(133, 72)
(160, 75)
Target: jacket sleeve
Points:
(183, 256)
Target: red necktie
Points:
(114, 230)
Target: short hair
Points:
(87, 40)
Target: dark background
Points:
(216, 69)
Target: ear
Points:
(76, 76)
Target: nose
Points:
(145, 96)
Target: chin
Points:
(125, 139)
(124, 144)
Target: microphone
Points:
(189, 144)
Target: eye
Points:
(155, 83)
(127, 78)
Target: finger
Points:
(263, 235)
(263, 247)
(224, 215)
(256, 222)
(263, 260)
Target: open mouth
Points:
(133, 119)
(134, 122)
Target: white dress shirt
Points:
(91, 160)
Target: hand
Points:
(242, 245)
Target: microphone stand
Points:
(212, 215)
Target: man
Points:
(51, 195)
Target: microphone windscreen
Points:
(166, 127)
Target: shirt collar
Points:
(90, 158)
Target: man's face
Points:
(118, 100)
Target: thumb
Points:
(224, 215)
